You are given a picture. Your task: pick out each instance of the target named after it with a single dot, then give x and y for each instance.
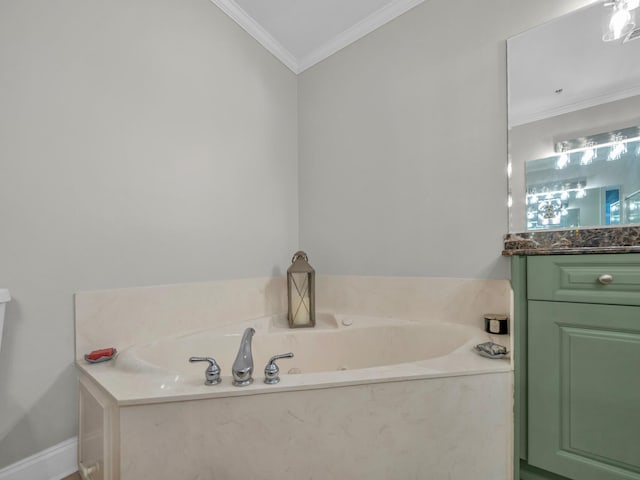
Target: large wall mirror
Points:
(574, 120)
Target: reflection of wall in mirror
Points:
(537, 139)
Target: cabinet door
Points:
(584, 390)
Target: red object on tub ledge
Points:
(102, 354)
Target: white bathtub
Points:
(340, 350)
(363, 397)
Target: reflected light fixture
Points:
(587, 150)
(622, 19)
(618, 149)
(563, 161)
(562, 194)
(589, 154)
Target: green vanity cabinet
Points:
(577, 366)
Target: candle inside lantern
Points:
(300, 298)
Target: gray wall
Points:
(141, 142)
(403, 139)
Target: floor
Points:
(73, 476)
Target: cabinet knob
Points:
(605, 279)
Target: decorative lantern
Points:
(301, 292)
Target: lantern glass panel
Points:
(300, 299)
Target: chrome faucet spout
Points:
(243, 366)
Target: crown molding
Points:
(608, 97)
(356, 32)
(253, 28)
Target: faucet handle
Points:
(271, 371)
(212, 373)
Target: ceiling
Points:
(301, 33)
(564, 66)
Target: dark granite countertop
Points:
(624, 239)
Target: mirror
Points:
(574, 122)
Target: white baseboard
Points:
(53, 463)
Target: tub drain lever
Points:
(271, 371)
(212, 373)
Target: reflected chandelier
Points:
(622, 19)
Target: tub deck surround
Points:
(455, 300)
(625, 239)
(389, 385)
(368, 350)
(454, 428)
(121, 318)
